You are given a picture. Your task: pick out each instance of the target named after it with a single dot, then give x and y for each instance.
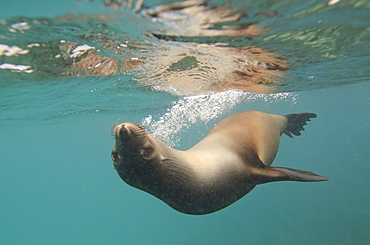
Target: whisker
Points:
(143, 127)
(114, 124)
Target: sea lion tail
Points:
(296, 123)
(298, 175)
(270, 174)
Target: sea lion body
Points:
(223, 167)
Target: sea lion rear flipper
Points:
(270, 174)
(296, 123)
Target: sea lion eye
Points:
(148, 150)
(114, 156)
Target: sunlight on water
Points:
(300, 46)
(192, 109)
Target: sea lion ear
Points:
(270, 174)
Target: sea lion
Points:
(228, 163)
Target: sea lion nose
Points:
(123, 130)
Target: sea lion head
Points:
(147, 163)
(135, 155)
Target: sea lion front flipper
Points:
(270, 174)
(296, 123)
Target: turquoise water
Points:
(57, 182)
